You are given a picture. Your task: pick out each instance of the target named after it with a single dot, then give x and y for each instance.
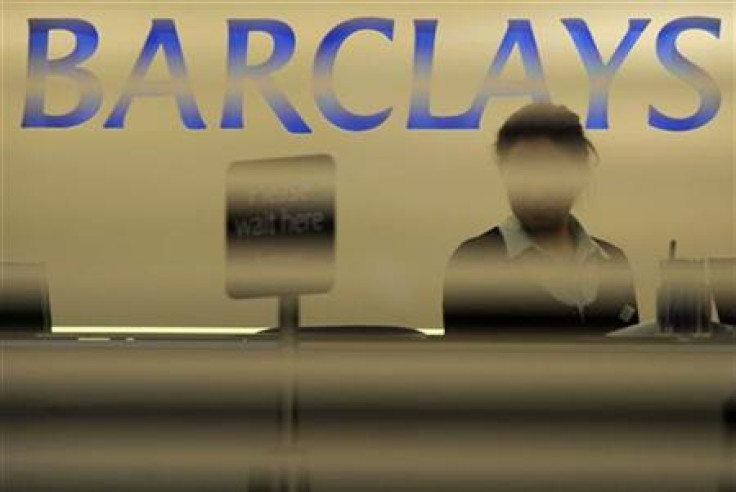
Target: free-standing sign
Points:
(280, 225)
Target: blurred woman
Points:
(540, 271)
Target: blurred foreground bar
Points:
(439, 416)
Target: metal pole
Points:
(288, 326)
(288, 319)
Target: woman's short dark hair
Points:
(544, 120)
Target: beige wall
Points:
(130, 223)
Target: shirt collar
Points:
(518, 240)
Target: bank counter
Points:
(371, 415)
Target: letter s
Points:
(672, 59)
